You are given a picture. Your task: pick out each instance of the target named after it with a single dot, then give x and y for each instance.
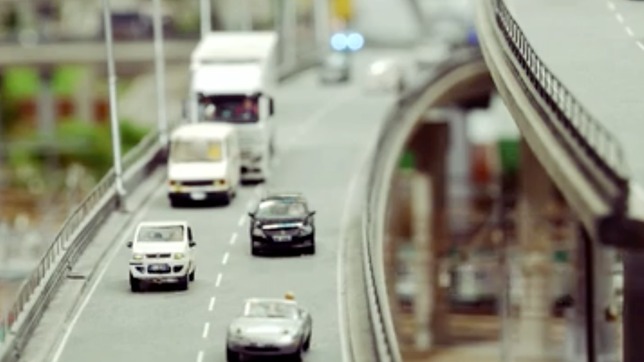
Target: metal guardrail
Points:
(24, 315)
(385, 343)
(77, 231)
(583, 134)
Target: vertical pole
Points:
(633, 319)
(421, 204)
(114, 121)
(47, 130)
(205, 11)
(290, 30)
(322, 23)
(159, 63)
(246, 17)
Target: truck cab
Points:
(233, 80)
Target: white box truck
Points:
(234, 76)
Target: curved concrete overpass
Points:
(323, 135)
(555, 66)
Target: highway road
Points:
(323, 136)
(596, 48)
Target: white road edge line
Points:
(211, 305)
(345, 220)
(99, 277)
(218, 282)
(206, 329)
(241, 221)
(200, 356)
(619, 17)
(233, 238)
(629, 31)
(224, 260)
(611, 6)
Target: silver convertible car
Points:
(270, 328)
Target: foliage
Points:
(82, 143)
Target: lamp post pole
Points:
(159, 62)
(114, 121)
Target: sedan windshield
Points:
(170, 233)
(270, 309)
(280, 209)
(196, 151)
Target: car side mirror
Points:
(129, 244)
(251, 215)
(192, 244)
(271, 106)
(311, 213)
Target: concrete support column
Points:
(430, 145)
(535, 191)
(604, 330)
(46, 103)
(633, 317)
(84, 97)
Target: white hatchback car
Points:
(162, 252)
(385, 75)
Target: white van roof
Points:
(204, 130)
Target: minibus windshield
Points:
(196, 151)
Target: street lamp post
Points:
(206, 14)
(159, 62)
(114, 121)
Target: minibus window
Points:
(196, 151)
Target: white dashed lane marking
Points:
(200, 356)
(233, 238)
(211, 305)
(206, 329)
(224, 260)
(620, 19)
(218, 282)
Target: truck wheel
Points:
(175, 203)
(184, 283)
(192, 275)
(135, 284)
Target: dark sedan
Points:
(282, 224)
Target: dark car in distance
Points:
(282, 222)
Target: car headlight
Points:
(258, 232)
(306, 229)
(179, 256)
(137, 256)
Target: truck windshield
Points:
(196, 151)
(231, 109)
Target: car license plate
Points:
(159, 267)
(282, 238)
(198, 195)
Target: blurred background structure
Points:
(462, 264)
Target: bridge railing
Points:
(599, 153)
(37, 291)
(384, 340)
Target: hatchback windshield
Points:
(270, 309)
(280, 209)
(196, 151)
(169, 233)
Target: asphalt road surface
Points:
(323, 136)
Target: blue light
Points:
(355, 42)
(339, 42)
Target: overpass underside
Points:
(482, 268)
